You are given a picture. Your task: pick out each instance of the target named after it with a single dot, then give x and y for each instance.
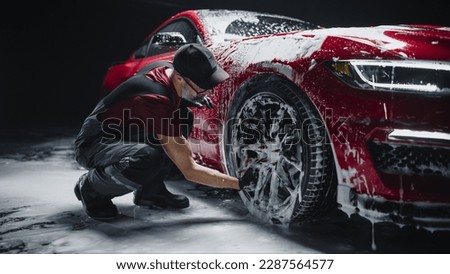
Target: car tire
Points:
(274, 128)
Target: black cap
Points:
(197, 63)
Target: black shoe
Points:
(163, 199)
(96, 205)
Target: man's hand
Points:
(206, 101)
(187, 104)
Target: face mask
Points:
(186, 94)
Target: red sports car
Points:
(354, 117)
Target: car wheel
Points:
(276, 130)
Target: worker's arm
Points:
(179, 151)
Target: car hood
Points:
(303, 50)
(404, 41)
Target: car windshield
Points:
(226, 25)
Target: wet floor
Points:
(40, 214)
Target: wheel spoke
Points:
(269, 136)
(294, 163)
(257, 147)
(287, 178)
(265, 178)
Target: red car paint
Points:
(355, 118)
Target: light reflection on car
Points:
(353, 117)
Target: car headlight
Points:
(395, 75)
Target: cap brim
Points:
(216, 78)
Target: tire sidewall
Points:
(305, 113)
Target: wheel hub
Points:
(268, 136)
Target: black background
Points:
(54, 54)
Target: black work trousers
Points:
(118, 167)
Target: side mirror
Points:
(171, 39)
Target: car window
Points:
(182, 26)
(264, 25)
(226, 25)
(141, 52)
